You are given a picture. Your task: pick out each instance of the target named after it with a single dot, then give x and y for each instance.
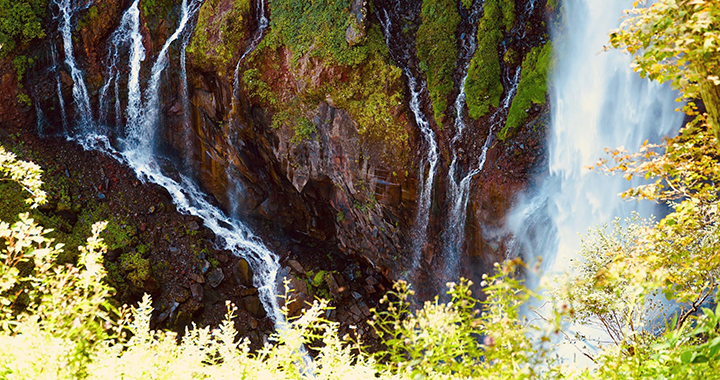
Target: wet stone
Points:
(243, 273)
(215, 277)
(371, 280)
(253, 306)
(197, 278)
(355, 310)
(369, 289)
(197, 292)
(194, 226)
(296, 266)
(248, 292)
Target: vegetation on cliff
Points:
(483, 85)
(20, 22)
(532, 88)
(222, 28)
(437, 50)
(359, 79)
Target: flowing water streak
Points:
(79, 90)
(134, 108)
(430, 161)
(61, 100)
(184, 91)
(235, 236)
(459, 192)
(263, 23)
(141, 136)
(597, 102)
(454, 234)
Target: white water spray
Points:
(597, 102)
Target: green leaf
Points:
(687, 356)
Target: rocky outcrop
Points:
(305, 148)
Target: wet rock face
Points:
(334, 167)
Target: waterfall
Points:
(137, 146)
(400, 48)
(459, 191)
(79, 90)
(61, 100)
(597, 102)
(263, 23)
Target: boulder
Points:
(243, 273)
(215, 277)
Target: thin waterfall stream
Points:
(67, 9)
(459, 190)
(400, 49)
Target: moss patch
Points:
(532, 88)
(221, 28)
(295, 68)
(316, 27)
(483, 85)
(437, 50)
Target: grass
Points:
(437, 50)
(532, 88)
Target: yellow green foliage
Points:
(315, 27)
(221, 31)
(532, 88)
(678, 42)
(437, 50)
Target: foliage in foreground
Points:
(56, 321)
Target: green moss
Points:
(371, 95)
(88, 18)
(437, 50)
(483, 85)
(508, 10)
(219, 34)
(137, 269)
(467, 3)
(156, 8)
(316, 27)
(531, 89)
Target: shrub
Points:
(20, 22)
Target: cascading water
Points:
(81, 99)
(400, 48)
(459, 191)
(137, 146)
(597, 102)
(61, 100)
(263, 23)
